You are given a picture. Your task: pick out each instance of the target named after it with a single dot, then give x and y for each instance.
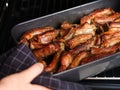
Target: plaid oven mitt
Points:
(20, 58)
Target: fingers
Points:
(38, 87)
(29, 74)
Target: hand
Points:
(22, 80)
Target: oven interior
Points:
(13, 12)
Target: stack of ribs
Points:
(59, 49)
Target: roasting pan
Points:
(73, 15)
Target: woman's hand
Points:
(22, 80)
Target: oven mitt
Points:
(21, 57)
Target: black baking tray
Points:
(73, 15)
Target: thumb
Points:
(29, 74)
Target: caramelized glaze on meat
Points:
(78, 59)
(96, 13)
(85, 29)
(106, 19)
(28, 35)
(78, 40)
(47, 37)
(46, 51)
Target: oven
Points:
(13, 12)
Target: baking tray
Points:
(73, 15)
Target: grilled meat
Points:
(28, 35)
(85, 29)
(78, 59)
(66, 25)
(96, 13)
(69, 35)
(78, 40)
(63, 32)
(115, 25)
(117, 20)
(38, 40)
(106, 19)
(46, 51)
(46, 37)
(111, 39)
(105, 50)
(54, 63)
(52, 67)
(110, 42)
(66, 59)
(68, 56)
(94, 57)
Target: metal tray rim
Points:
(55, 13)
